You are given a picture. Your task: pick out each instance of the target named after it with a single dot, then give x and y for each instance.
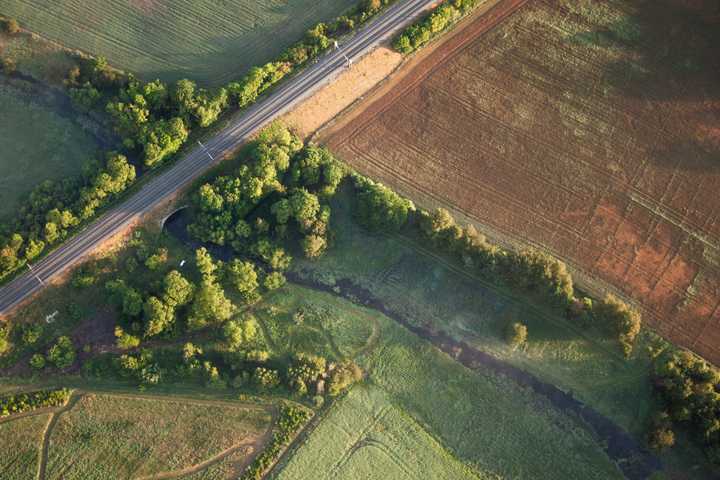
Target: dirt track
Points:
(594, 137)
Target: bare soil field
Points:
(590, 129)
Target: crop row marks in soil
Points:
(660, 211)
(533, 95)
(392, 174)
(624, 11)
(635, 193)
(505, 199)
(419, 74)
(479, 147)
(469, 180)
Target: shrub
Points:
(265, 378)
(125, 341)
(62, 354)
(343, 376)
(11, 26)
(26, 402)
(622, 320)
(274, 280)
(8, 65)
(291, 419)
(37, 361)
(31, 333)
(516, 334)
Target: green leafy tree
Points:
(125, 341)
(210, 306)
(380, 209)
(159, 316)
(244, 278)
(516, 334)
(274, 280)
(624, 321)
(178, 291)
(62, 354)
(37, 361)
(233, 334)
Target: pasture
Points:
(209, 41)
(445, 417)
(365, 436)
(41, 142)
(110, 436)
(21, 441)
(587, 128)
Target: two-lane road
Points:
(198, 160)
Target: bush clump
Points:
(442, 17)
(25, 402)
(516, 334)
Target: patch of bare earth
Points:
(342, 92)
(586, 128)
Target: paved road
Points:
(195, 162)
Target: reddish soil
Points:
(590, 129)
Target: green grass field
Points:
(365, 436)
(466, 424)
(208, 41)
(431, 290)
(106, 436)
(20, 441)
(38, 144)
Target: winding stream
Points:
(632, 458)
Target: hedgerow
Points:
(291, 419)
(26, 402)
(442, 17)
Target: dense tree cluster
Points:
(623, 321)
(690, 390)
(281, 190)
(442, 16)
(378, 208)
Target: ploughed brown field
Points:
(588, 128)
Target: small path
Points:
(43, 458)
(256, 447)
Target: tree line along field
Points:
(209, 41)
(126, 436)
(589, 128)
